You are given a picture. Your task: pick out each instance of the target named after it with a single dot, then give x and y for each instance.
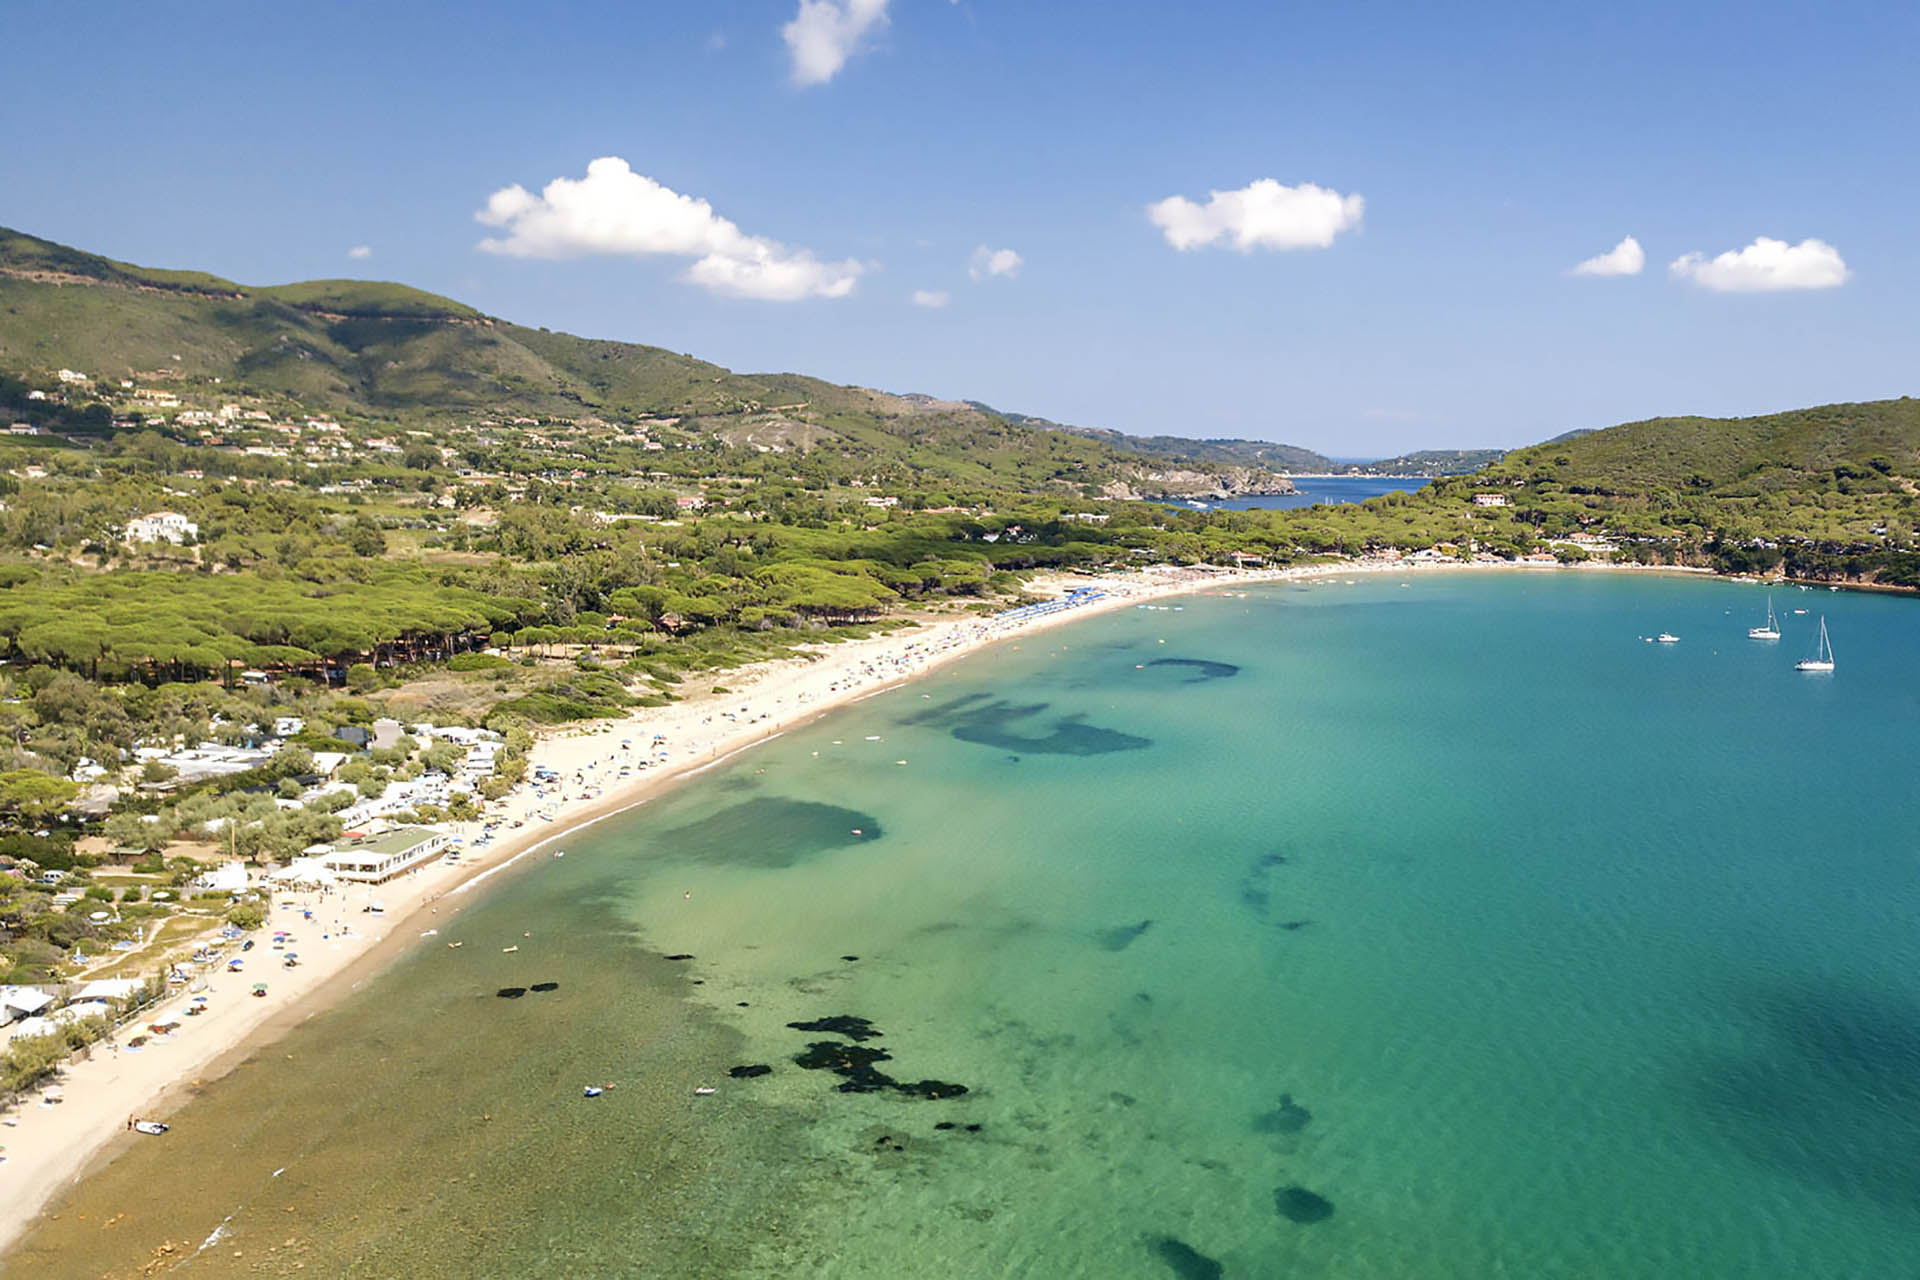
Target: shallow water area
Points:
(1448, 928)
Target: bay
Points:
(1314, 491)
(1354, 928)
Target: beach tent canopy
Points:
(304, 871)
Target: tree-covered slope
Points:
(1733, 457)
(388, 351)
(1741, 493)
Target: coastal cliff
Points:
(1213, 484)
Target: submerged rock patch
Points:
(1186, 1261)
(840, 1024)
(1120, 938)
(1288, 1117)
(988, 721)
(1203, 669)
(748, 1073)
(511, 993)
(769, 831)
(1297, 1204)
(1256, 887)
(544, 986)
(854, 1063)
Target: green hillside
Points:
(386, 351)
(1431, 462)
(1736, 457)
(1182, 452)
(1832, 491)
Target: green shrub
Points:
(246, 915)
(477, 662)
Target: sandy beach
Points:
(596, 771)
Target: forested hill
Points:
(1431, 462)
(1181, 451)
(386, 351)
(1288, 459)
(1798, 450)
(1806, 486)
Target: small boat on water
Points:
(152, 1127)
(1771, 631)
(1822, 659)
(705, 1091)
(594, 1091)
(1667, 637)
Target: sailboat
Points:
(1769, 632)
(1822, 659)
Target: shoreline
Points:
(51, 1146)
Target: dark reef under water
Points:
(1184, 1260)
(1203, 669)
(988, 721)
(1288, 1117)
(1121, 937)
(771, 832)
(854, 1063)
(1297, 1204)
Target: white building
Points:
(228, 877)
(162, 526)
(384, 857)
(17, 1003)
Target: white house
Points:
(1489, 499)
(162, 526)
(228, 877)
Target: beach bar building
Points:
(376, 859)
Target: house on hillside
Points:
(162, 526)
(1489, 499)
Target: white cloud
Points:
(614, 210)
(825, 33)
(1624, 259)
(1764, 265)
(360, 252)
(1261, 215)
(988, 263)
(931, 297)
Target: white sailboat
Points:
(1769, 632)
(1822, 659)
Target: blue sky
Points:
(869, 157)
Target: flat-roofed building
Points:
(376, 859)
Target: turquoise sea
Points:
(1441, 928)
